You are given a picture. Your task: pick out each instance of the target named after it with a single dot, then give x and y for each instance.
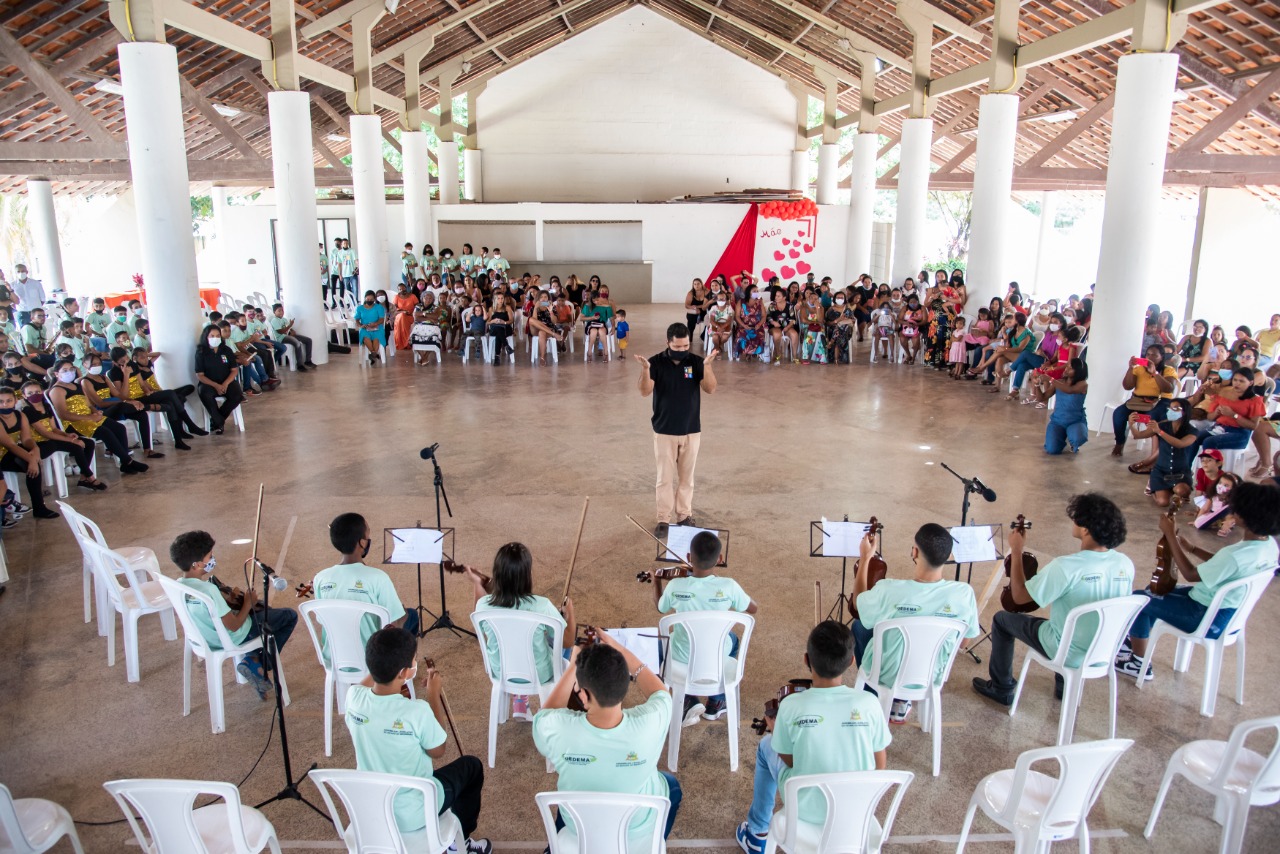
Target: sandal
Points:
(95, 485)
(1260, 470)
(152, 455)
(1140, 468)
(1042, 406)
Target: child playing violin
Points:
(701, 591)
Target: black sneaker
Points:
(479, 846)
(1126, 649)
(10, 520)
(660, 529)
(716, 709)
(1058, 685)
(1132, 666)
(19, 508)
(687, 522)
(989, 689)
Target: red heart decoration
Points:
(793, 253)
(787, 272)
(778, 256)
(808, 247)
(801, 267)
(801, 233)
(786, 241)
(767, 274)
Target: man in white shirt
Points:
(30, 294)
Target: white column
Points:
(417, 188)
(1130, 220)
(44, 233)
(913, 197)
(162, 195)
(800, 171)
(862, 204)
(221, 239)
(828, 165)
(371, 203)
(295, 184)
(988, 269)
(447, 161)
(473, 185)
(1048, 214)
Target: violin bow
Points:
(448, 715)
(573, 558)
(817, 602)
(650, 535)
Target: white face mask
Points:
(839, 301)
(1054, 327)
(209, 567)
(720, 302)
(1223, 489)
(67, 376)
(382, 299)
(215, 343)
(96, 370)
(1175, 413)
(22, 277)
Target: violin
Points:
(1165, 576)
(877, 569)
(452, 566)
(587, 636)
(666, 573)
(1030, 566)
(794, 686)
(305, 590)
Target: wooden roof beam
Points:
(1233, 89)
(857, 40)
(80, 115)
(427, 35)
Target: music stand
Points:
(978, 544)
(842, 542)
(676, 546)
(419, 545)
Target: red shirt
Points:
(1205, 485)
(1250, 407)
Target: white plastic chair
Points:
(1115, 617)
(472, 340)
(53, 470)
(338, 621)
(1236, 776)
(923, 639)
(1039, 809)
(851, 825)
(1232, 635)
(516, 633)
(708, 672)
(601, 821)
(368, 798)
(171, 823)
(139, 558)
(33, 825)
(131, 601)
(237, 415)
(366, 362)
(198, 647)
(553, 350)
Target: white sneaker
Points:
(694, 714)
(899, 711)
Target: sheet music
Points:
(974, 544)
(417, 545)
(643, 648)
(842, 539)
(678, 539)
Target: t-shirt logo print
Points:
(688, 373)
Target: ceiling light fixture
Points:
(226, 110)
(466, 67)
(844, 44)
(1061, 116)
(336, 137)
(391, 6)
(1181, 94)
(107, 85)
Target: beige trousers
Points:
(676, 456)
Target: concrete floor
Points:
(519, 447)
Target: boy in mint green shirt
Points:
(355, 581)
(1096, 572)
(701, 591)
(608, 748)
(395, 735)
(925, 594)
(829, 728)
(192, 553)
(1256, 510)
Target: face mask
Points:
(544, 303)
(22, 277)
(120, 318)
(1225, 373)
(677, 356)
(382, 299)
(12, 369)
(1223, 489)
(34, 398)
(67, 376)
(209, 567)
(96, 370)
(720, 302)
(554, 289)
(369, 303)
(1054, 327)
(6, 410)
(1175, 413)
(214, 343)
(367, 543)
(457, 290)
(839, 301)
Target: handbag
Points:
(1137, 403)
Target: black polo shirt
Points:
(677, 394)
(216, 365)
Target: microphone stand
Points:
(444, 621)
(971, 487)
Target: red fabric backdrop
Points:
(740, 254)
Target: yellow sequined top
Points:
(102, 389)
(78, 404)
(135, 387)
(34, 417)
(15, 434)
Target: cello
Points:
(1030, 566)
(1165, 576)
(877, 569)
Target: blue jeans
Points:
(1222, 438)
(1120, 418)
(1056, 437)
(280, 622)
(1026, 361)
(412, 622)
(349, 284)
(765, 790)
(254, 371)
(1179, 610)
(98, 344)
(674, 794)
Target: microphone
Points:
(277, 582)
(987, 492)
(428, 453)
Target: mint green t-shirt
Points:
(34, 337)
(277, 324)
(543, 640)
(357, 582)
(893, 598)
(116, 327)
(200, 613)
(825, 731)
(1231, 563)
(97, 321)
(392, 735)
(76, 345)
(502, 265)
(1073, 580)
(623, 759)
(143, 341)
(238, 334)
(711, 593)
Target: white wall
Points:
(1234, 285)
(636, 108)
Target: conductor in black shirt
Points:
(676, 378)
(216, 374)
